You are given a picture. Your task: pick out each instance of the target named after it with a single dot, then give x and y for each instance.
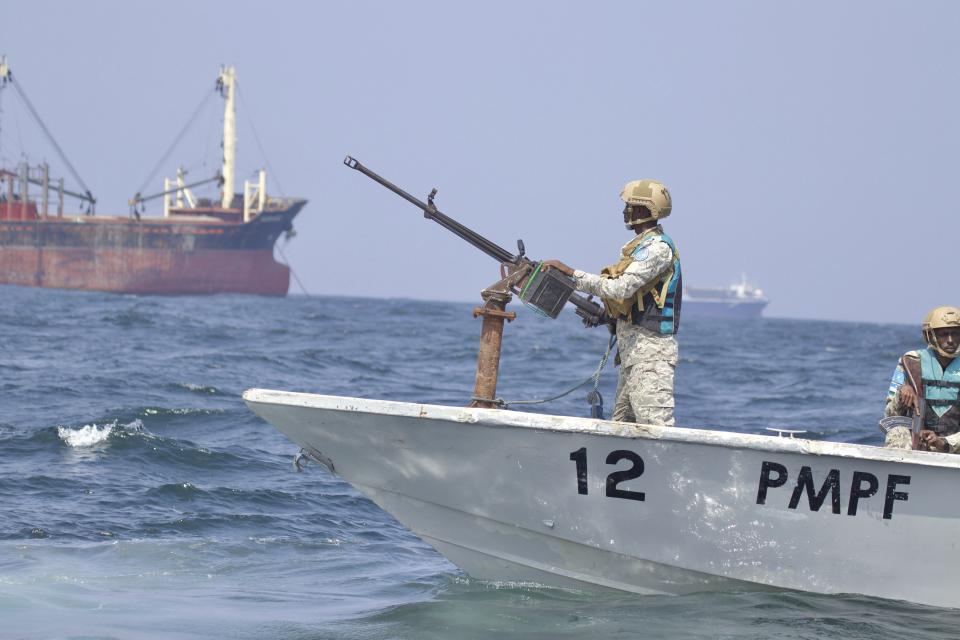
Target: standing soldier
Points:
(933, 374)
(641, 293)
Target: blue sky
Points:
(810, 145)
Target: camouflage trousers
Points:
(645, 393)
(902, 438)
(899, 438)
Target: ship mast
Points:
(5, 76)
(226, 82)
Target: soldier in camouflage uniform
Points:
(934, 372)
(641, 295)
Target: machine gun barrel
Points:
(430, 211)
(590, 311)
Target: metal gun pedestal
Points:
(495, 299)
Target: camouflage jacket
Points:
(636, 344)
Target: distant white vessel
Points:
(740, 300)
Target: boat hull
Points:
(572, 502)
(149, 256)
(146, 271)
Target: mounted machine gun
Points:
(545, 290)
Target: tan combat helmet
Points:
(940, 318)
(650, 194)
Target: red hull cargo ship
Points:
(198, 246)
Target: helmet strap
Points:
(635, 222)
(931, 337)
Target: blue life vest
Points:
(941, 387)
(663, 319)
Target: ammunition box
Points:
(547, 290)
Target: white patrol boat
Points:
(577, 502)
(571, 502)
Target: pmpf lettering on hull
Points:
(863, 486)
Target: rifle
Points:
(920, 411)
(545, 290)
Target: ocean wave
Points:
(130, 318)
(94, 434)
(286, 540)
(198, 388)
(179, 490)
(179, 411)
(172, 453)
(85, 436)
(324, 358)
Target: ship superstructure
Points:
(739, 300)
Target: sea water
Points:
(139, 498)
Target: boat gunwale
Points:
(501, 418)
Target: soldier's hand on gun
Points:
(932, 442)
(559, 266)
(907, 397)
(599, 320)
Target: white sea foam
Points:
(85, 436)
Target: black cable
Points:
(63, 156)
(183, 132)
(256, 137)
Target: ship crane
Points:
(24, 173)
(180, 190)
(176, 193)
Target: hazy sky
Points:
(811, 145)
